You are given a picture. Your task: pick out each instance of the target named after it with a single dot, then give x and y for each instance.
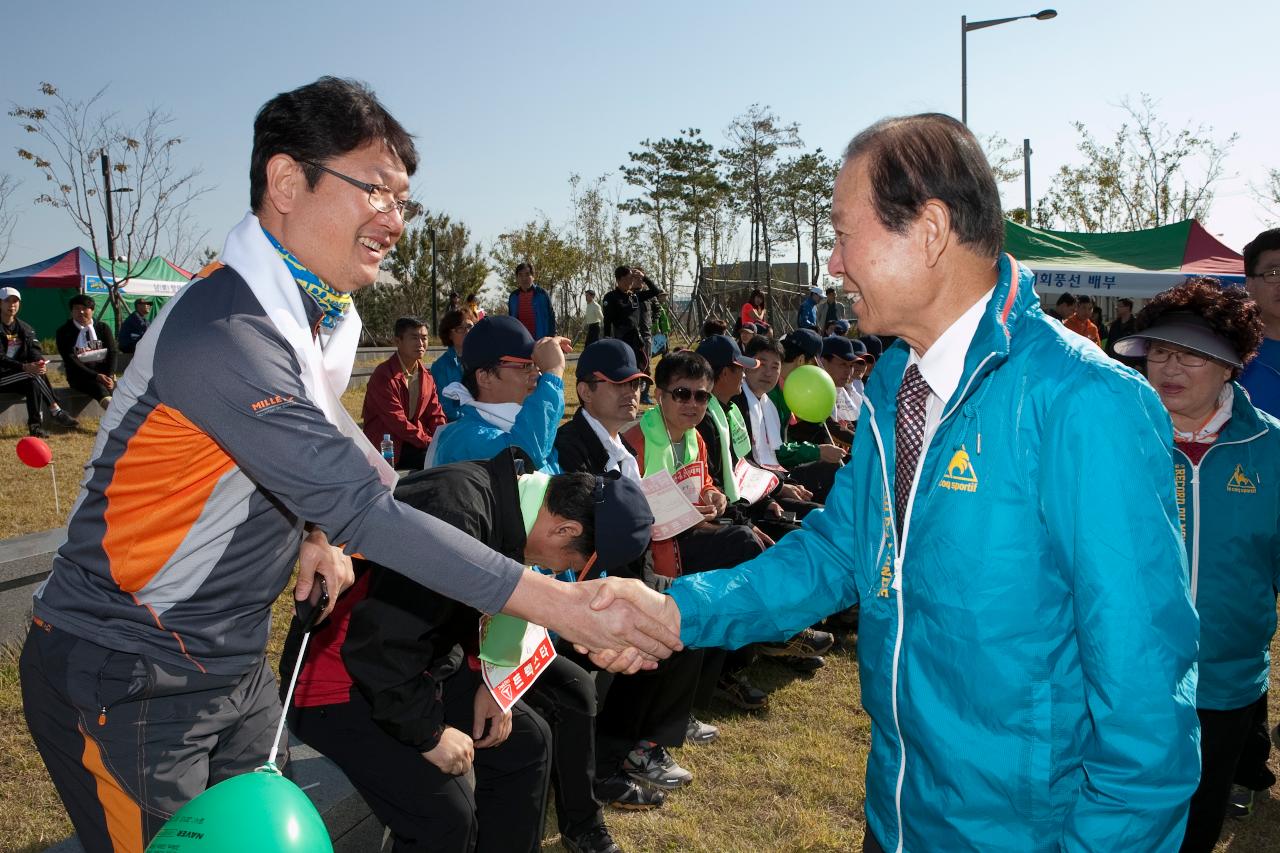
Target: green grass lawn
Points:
(789, 779)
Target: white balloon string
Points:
(288, 697)
(57, 505)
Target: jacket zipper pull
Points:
(102, 716)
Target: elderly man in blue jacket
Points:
(1026, 645)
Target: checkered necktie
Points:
(908, 436)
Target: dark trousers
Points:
(128, 741)
(1222, 739)
(565, 696)
(652, 705)
(35, 389)
(818, 477)
(497, 807)
(88, 385)
(721, 546)
(1252, 771)
(593, 334)
(411, 458)
(869, 843)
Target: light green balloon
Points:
(260, 812)
(810, 393)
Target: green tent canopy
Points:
(47, 285)
(1135, 263)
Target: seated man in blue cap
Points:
(840, 358)
(391, 690)
(511, 395)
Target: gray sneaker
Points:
(699, 732)
(651, 764)
(63, 419)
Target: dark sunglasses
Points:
(683, 395)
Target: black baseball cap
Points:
(721, 351)
(624, 522)
(806, 341)
(609, 360)
(834, 346)
(749, 327)
(496, 339)
(875, 347)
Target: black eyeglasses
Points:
(381, 197)
(683, 395)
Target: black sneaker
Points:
(650, 764)
(737, 691)
(808, 643)
(1240, 805)
(805, 665)
(622, 792)
(63, 419)
(699, 732)
(595, 840)
(37, 430)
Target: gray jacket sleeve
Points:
(237, 381)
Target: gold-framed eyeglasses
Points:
(381, 197)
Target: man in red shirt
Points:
(401, 399)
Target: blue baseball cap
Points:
(624, 522)
(843, 325)
(609, 360)
(721, 351)
(496, 339)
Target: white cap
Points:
(6, 292)
(816, 291)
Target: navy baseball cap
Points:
(843, 325)
(609, 360)
(496, 339)
(806, 341)
(875, 347)
(722, 351)
(835, 346)
(624, 522)
(749, 327)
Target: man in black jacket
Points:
(390, 689)
(135, 325)
(22, 366)
(626, 313)
(88, 350)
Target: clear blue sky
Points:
(509, 98)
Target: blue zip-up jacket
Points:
(807, 314)
(544, 317)
(1027, 652)
(446, 370)
(471, 437)
(1229, 505)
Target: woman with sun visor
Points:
(1196, 339)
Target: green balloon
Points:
(259, 812)
(810, 393)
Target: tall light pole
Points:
(113, 289)
(965, 28)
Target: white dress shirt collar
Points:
(620, 459)
(942, 365)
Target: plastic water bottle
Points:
(388, 449)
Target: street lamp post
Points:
(435, 323)
(113, 288)
(965, 28)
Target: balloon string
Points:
(288, 697)
(57, 505)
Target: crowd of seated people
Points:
(390, 679)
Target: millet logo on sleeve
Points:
(270, 403)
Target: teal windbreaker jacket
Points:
(1229, 506)
(471, 437)
(1027, 652)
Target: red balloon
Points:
(34, 452)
